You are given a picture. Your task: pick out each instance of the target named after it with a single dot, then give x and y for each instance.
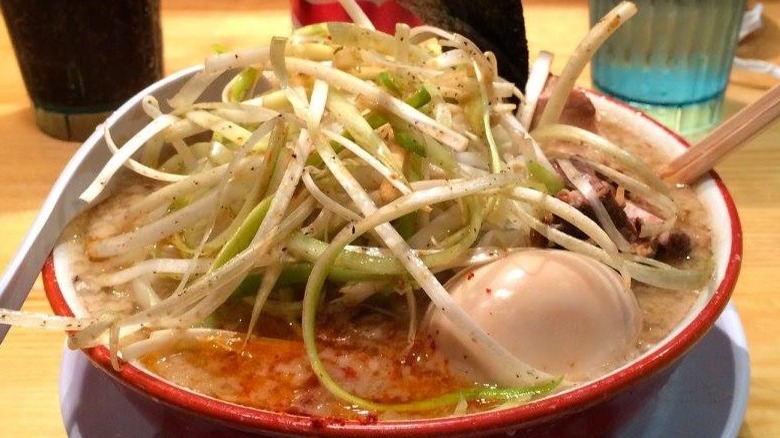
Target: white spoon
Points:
(63, 203)
(60, 207)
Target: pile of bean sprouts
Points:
(346, 155)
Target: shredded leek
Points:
(550, 180)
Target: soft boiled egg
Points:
(560, 312)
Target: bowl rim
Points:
(603, 389)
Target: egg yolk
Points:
(558, 311)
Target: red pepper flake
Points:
(349, 372)
(318, 423)
(370, 418)
(470, 275)
(323, 422)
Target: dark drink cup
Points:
(80, 59)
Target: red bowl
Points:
(595, 409)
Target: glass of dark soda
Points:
(81, 59)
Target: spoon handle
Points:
(727, 137)
(61, 205)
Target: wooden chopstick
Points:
(730, 135)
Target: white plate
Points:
(708, 392)
(705, 397)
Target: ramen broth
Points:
(365, 347)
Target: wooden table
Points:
(30, 162)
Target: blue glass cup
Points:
(672, 59)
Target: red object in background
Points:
(383, 13)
